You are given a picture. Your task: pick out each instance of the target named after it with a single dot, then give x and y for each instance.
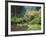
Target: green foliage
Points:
(21, 23)
(34, 27)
